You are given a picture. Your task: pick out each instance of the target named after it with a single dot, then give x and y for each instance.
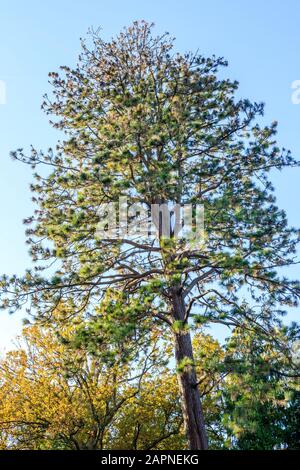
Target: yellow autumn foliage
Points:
(53, 396)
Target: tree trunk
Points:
(187, 380)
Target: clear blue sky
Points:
(260, 39)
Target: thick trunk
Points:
(187, 380)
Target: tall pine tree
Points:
(155, 126)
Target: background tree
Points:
(155, 126)
(54, 396)
(57, 396)
(261, 394)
